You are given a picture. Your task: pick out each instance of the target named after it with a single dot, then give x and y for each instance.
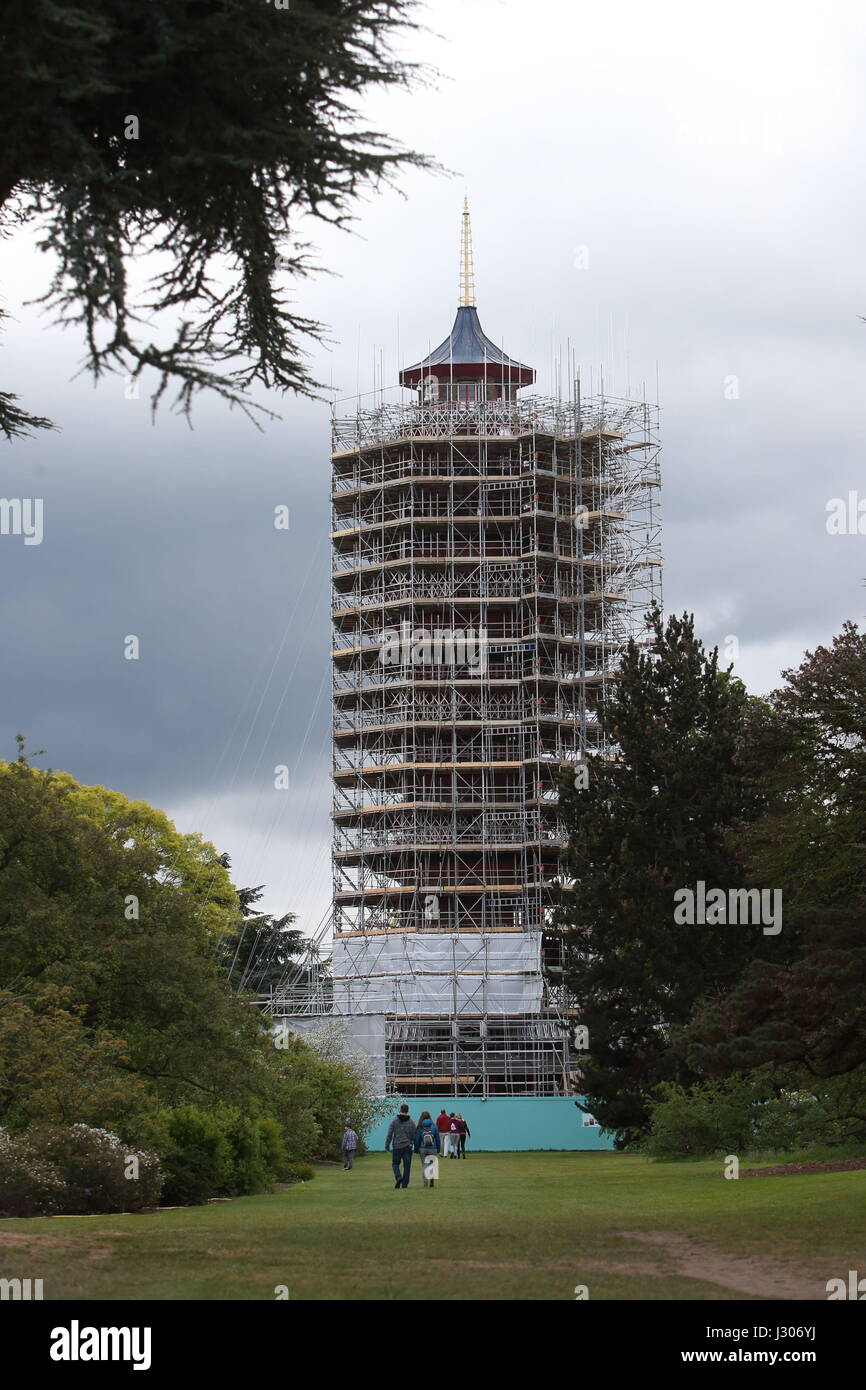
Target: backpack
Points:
(427, 1140)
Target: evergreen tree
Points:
(808, 1012)
(653, 819)
(203, 132)
(257, 956)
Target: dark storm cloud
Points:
(662, 188)
(169, 536)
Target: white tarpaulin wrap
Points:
(366, 1035)
(438, 973)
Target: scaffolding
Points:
(533, 525)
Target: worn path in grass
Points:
(498, 1226)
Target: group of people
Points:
(455, 1131)
(447, 1134)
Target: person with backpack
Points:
(401, 1139)
(427, 1145)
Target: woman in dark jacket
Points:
(426, 1125)
(427, 1144)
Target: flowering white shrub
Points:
(29, 1184)
(74, 1169)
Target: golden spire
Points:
(467, 272)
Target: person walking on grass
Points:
(463, 1135)
(427, 1145)
(453, 1135)
(443, 1124)
(349, 1145)
(401, 1140)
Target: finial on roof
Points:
(467, 272)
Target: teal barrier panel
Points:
(508, 1123)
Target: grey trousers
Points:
(348, 1158)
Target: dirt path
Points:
(763, 1278)
(781, 1170)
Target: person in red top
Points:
(443, 1124)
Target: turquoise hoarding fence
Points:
(505, 1123)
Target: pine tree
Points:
(654, 818)
(258, 955)
(203, 132)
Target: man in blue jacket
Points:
(401, 1137)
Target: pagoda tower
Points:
(492, 553)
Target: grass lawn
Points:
(499, 1226)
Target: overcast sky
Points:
(676, 190)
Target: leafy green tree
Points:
(122, 856)
(53, 1070)
(652, 820)
(810, 747)
(806, 1015)
(184, 861)
(113, 907)
(203, 133)
(126, 1017)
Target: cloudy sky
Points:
(675, 190)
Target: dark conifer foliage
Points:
(202, 130)
(652, 820)
(258, 955)
(806, 1016)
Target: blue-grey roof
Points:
(467, 343)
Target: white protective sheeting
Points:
(363, 1034)
(438, 973)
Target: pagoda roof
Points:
(467, 346)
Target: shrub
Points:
(218, 1152)
(249, 1168)
(715, 1117)
(298, 1172)
(76, 1170)
(99, 1172)
(29, 1184)
(197, 1157)
(274, 1153)
(742, 1114)
(800, 1119)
